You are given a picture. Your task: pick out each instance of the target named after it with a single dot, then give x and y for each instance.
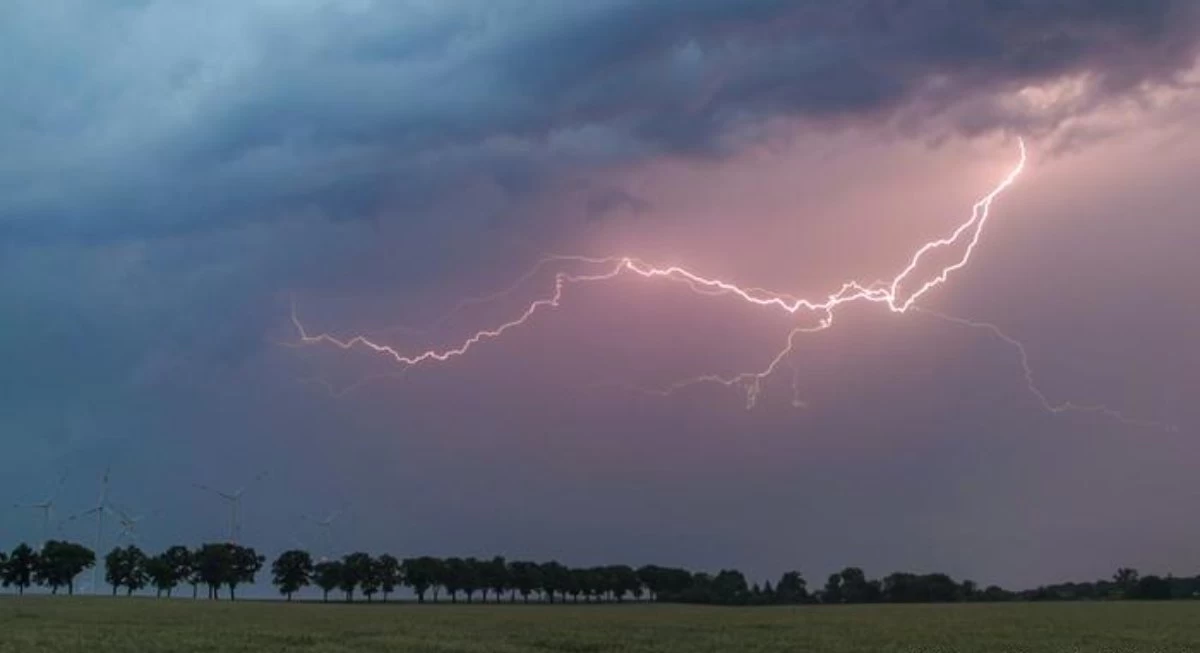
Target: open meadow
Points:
(55, 624)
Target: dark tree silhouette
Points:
(450, 576)
(355, 568)
(420, 574)
(179, 559)
(526, 577)
(791, 588)
(212, 564)
(291, 571)
(370, 582)
(471, 578)
(496, 577)
(125, 568)
(555, 579)
(244, 564)
(387, 569)
(21, 565)
(60, 562)
(327, 575)
(161, 574)
(1126, 579)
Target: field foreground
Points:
(95, 625)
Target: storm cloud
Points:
(148, 118)
(175, 178)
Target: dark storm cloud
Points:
(155, 118)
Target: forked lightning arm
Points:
(899, 295)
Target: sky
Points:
(177, 179)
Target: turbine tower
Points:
(46, 506)
(234, 499)
(325, 528)
(101, 507)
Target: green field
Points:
(95, 625)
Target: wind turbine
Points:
(99, 509)
(325, 526)
(46, 506)
(128, 524)
(234, 499)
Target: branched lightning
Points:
(1050, 406)
(898, 295)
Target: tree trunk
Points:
(325, 597)
(289, 595)
(129, 591)
(231, 596)
(421, 596)
(114, 590)
(71, 588)
(169, 590)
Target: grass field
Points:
(36, 624)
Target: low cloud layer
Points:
(150, 118)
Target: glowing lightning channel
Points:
(1056, 408)
(888, 293)
(850, 292)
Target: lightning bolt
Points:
(1056, 408)
(898, 295)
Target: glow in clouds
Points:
(899, 295)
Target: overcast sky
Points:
(174, 177)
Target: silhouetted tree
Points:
(387, 569)
(370, 581)
(1126, 579)
(968, 590)
(555, 579)
(355, 568)
(579, 584)
(833, 589)
(161, 575)
(525, 577)
(179, 559)
(622, 580)
(729, 587)
(291, 571)
(59, 563)
(212, 563)
(495, 576)
(244, 564)
(419, 574)
(125, 567)
(471, 578)
(328, 576)
(450, 576)
(21, 565)
(1151, 588)
(791, 588)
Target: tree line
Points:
(225, 566)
